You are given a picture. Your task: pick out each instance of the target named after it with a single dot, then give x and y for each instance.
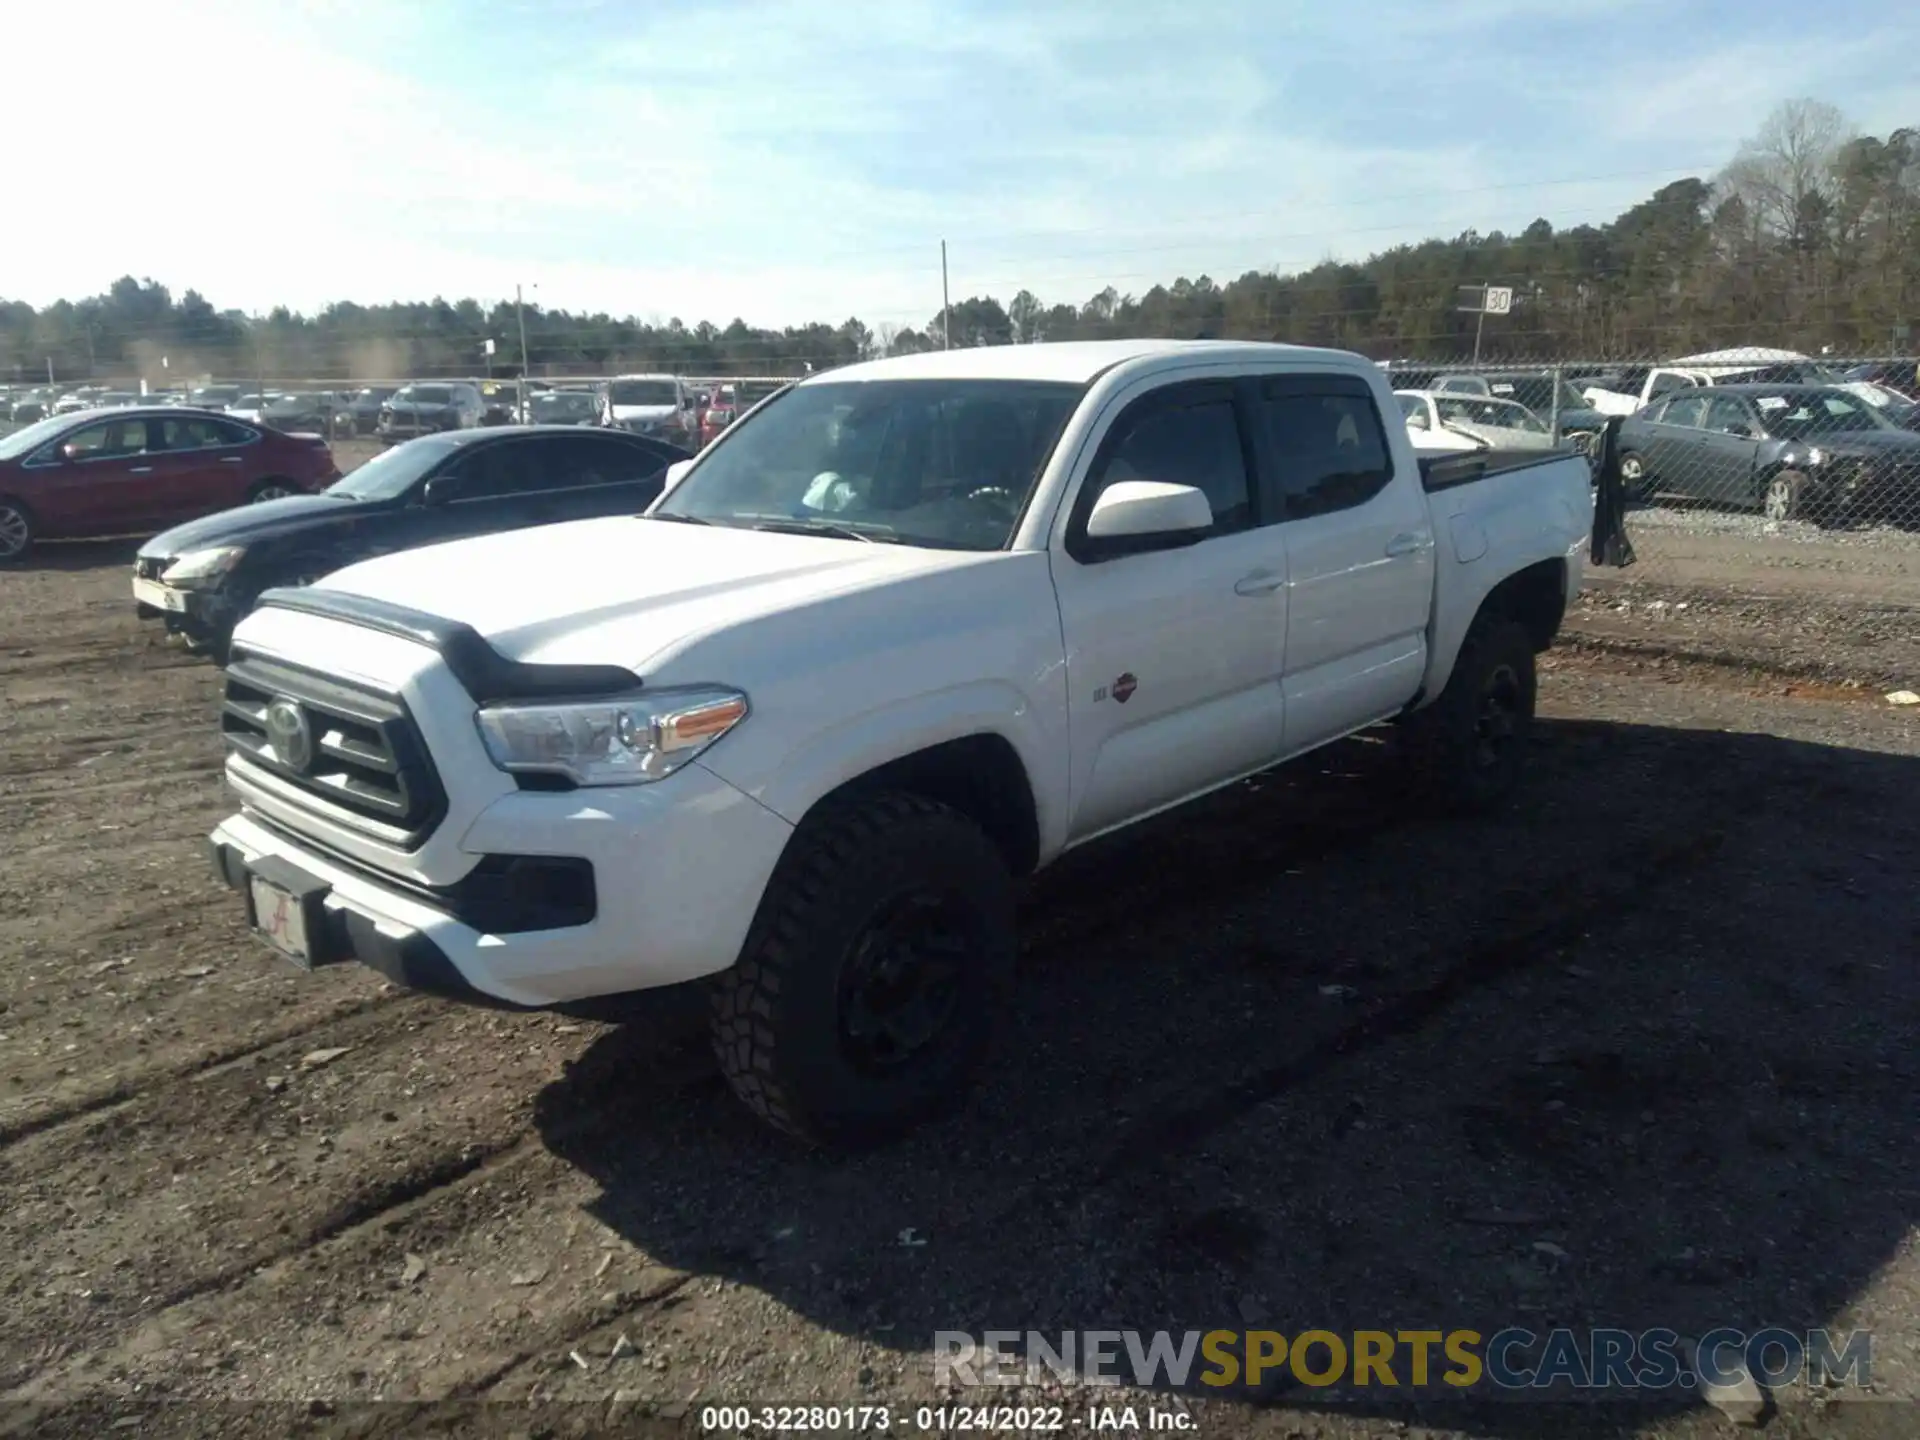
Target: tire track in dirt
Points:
(1078, 921)
(140, 1085)
(604, 1122)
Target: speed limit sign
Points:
(1499, 300)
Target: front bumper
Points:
(198, 614)
(678, 870)
(1867, 490)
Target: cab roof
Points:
(1071, 361)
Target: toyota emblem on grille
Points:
(289, 735)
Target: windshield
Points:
(643, 392)
(426, 395)
(572, 403)
(1799, 417)
(217, 395)
(392, 473)
(13, 446)
(1499, 414)
(1535, 392)
(942, 463)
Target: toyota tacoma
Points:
(903, 635)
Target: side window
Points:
(1175, 439)
(104, 442)
(1687, 410)
(226, 432)
(489, 472)
(1327, 443)
(1727, 416)
(195, 434)
(1668, 383)
(582, 460)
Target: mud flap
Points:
(1610, 544)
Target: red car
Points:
(120, 472)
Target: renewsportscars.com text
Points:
(1512, 1359)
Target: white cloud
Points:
(791, 160)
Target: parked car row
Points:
(203, 576)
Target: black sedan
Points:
(1807, 451)
(439, 487)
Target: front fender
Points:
(820, 763)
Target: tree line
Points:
(1808, 238)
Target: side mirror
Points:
(69, 452)
(440, 491)
(1146, 515)
(675, 473)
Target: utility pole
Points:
(520, 313)
(1479, 327)
(946, 303)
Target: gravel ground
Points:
(1790, 600)
(1638, 1053)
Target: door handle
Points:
(141, 470)
(1409, 542)
(1260, 582)
(230, 459)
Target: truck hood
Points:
(628, 591)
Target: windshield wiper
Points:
(815, 527)
(676, 518)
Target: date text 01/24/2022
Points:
(939, 1419)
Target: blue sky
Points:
(787, 160)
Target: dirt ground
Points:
(1639, 1053)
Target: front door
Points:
(101, 481)
(1359, 557)
(1173, 656)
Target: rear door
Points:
(1677, 457)
(200, 462)
(1360, 557)
(1728, 448)
(577, 477)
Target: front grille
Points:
(367, 758)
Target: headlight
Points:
(611, 742)
(1816, 456)
(197, 567)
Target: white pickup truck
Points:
(907, 632)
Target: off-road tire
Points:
(777, 1014)
(1453, 766)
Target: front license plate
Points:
(152, 592)
(279, 920)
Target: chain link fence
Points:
(1777, 491)
(1772, 499)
